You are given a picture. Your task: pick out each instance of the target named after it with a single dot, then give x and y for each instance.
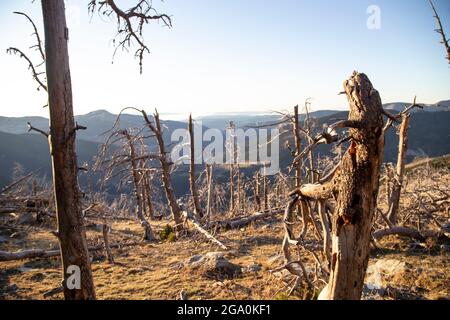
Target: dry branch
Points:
(190, 217)
(42, 254)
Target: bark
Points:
(72, 234)
(356, 186)
(194, 194)
(394, 198)
(148, 233)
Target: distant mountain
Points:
(32, 152)
(97, 123)
(221, 121)
(400, 106)
(429, 136)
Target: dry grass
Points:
(149, 271)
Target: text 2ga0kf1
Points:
(224, 310)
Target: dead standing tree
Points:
(71, 232)
(137, 175)
(192, 180)
(156, 128)
(440, 30)
(127, 165)
(354, 186)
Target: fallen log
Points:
(42, 254)
(400, 231)
(244, 221)
(190, 217)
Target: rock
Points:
(214, 265)
(195, 261)
(253, 268)
(380, 273)
(372, 292)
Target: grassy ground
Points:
(150, 271)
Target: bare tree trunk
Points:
(298, 170)
(71, 231)
(209, 170)
(266, 191)
(357, 186)
(194, 194)
(239, 190)
(258, 191)
(148, 197)
(394, 199)
(165, 167)
(313, 173)
(148, 233)
(109, 254)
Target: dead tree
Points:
(148, 195)
(257, 191)
(440, 30)
(71, 231)
(106, 230)
(192, 181)
(133, 160)
(232, 154)
(156, 129)
(209, 175)
(394, 200)
(354, 185)
(130, 23)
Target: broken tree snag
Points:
(357, 186)
(74, 251)
(194, 194)
(394, 198)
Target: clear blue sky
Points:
(238, 55)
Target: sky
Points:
(237, 56)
